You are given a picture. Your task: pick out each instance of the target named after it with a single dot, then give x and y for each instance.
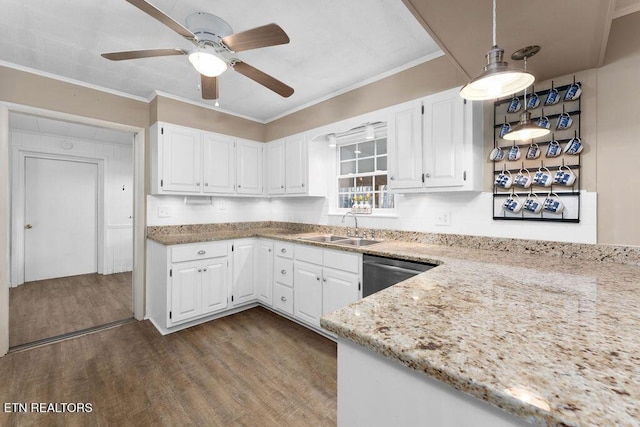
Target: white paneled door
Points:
(61, 218)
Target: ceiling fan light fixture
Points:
(526, 129)
(207, 63)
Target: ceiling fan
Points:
(215, 46)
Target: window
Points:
(362, 175)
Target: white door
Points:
(244, 261)
(443, 123)
(405, 147)
(296, 164)
(215, 284)
(186, 291)
(219, 164)
(61, 218)
(307, 292)
(249, 167)
(340, 289)
(274, 162)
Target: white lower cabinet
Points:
(193, 283)
(324, 280)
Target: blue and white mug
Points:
(574, 146)
(564, 176)
(533, 152)
(573, 92)
(542, 177)
(532, 204)
(543, 122)
(552, 97)
(514, 153)
(504, 179)
(496, 154)
(512, 204)
(523, 179)
(514, 105)
(564, 121)
(554, 149)
(533, 101)
(553, 204)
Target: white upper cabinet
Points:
(295, 164)
(436, 144)
(249, 167)
(181, 160)
(219, 163)
(296, 167)
(194, 162)
(274, 165)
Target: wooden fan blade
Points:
(264, 79)
(209, 87)
(148, 53)
(267, 35)
(156, 13)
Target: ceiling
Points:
(573, 34)
(334, 45)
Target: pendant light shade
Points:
(526, 129)
(497, 78)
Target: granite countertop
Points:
(553, 340)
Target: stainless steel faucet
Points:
(355, 219)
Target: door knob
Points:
(28, 226)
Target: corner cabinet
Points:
(435, 144)
(296, 167)
(186, 161)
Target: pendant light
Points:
(497, 78)
(526, 129)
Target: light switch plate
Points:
(164, 212)
(443, 218)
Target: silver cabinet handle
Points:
(28, 226)
(239, 186)
(197, 184)
(282, 186)
(202, 252)
(283, 298)
(324, 279)
(283, 271)
(206, 184)
(269, 249)
(428, 175)
(199, 270)
(283, 250)
(392, 178)
(318, 278)
(303, 184)
(204, 269)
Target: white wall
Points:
(118, 173)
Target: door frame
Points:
(139, 207)
(18, 193)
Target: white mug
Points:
(504, 179)
(533, 152)
(574, 146)
(523, 179)
(564, 177)
(542, 178)
(532, 204)
(514, 153)
(512, 204)
(553, 204)
(554, 149)
(496, 154)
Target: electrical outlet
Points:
(164, 212)
(222, 205)
(443, 218)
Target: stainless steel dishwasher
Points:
(379, 273)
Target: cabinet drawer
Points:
(283, 298)
(284, 250)
(198, 251)
(343, 260)
(309, 254)
(283, 271)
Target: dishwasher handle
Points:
(392, 268)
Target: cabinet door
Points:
(249, 167)
(296, 164)
(339, 289)
(274, 163)
(219, 168)
(244, 261)
(185, 291)
(264, 272)
(307, 292)
(215, 284)
(443, 124)
(405, 147)
(181, 159)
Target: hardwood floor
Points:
(253, 368)
(48, 308)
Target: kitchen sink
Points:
(325, 239)
(356, 242)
